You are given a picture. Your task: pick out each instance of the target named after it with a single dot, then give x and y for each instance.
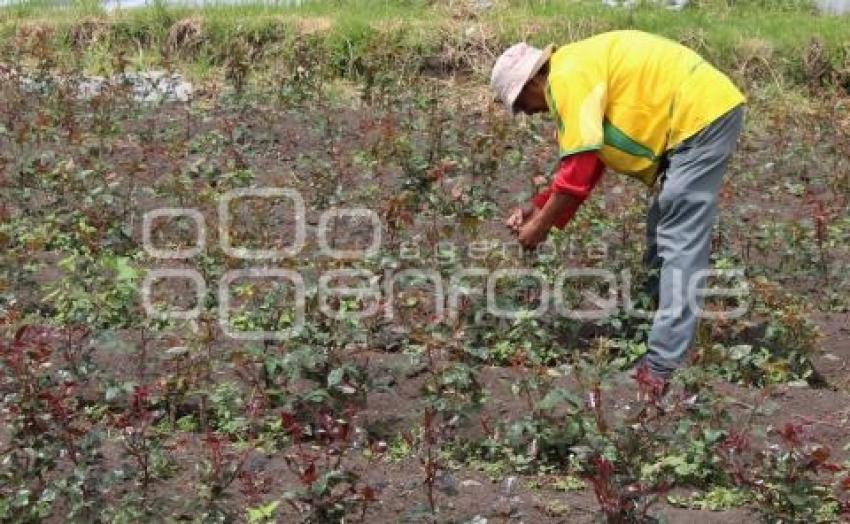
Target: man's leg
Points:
(651, 260)
(687, 205)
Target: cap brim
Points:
(545, 55)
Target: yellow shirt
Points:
(632, 96)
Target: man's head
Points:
(519, 78)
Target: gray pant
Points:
(678, 231)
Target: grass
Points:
(23, 9)
(727, 32)
(719, 29)
(368, 10)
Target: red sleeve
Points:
(577, 176)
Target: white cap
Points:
(514, 69)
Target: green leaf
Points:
(740, 352)
(557, 397)
(262, 513)
(713, 435)
(112, 393)
(124, 270)
(335, 377)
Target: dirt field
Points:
(111, 412)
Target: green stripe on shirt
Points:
(617, 138)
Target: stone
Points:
(145, 86)
(508, 485)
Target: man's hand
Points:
(536, 224)
(533, 232)
(519, 217)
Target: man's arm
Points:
(576, 177)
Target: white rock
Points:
(146, 86)
(508, 485)
(156, 86)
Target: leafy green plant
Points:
(328, 490)
(786, 478)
